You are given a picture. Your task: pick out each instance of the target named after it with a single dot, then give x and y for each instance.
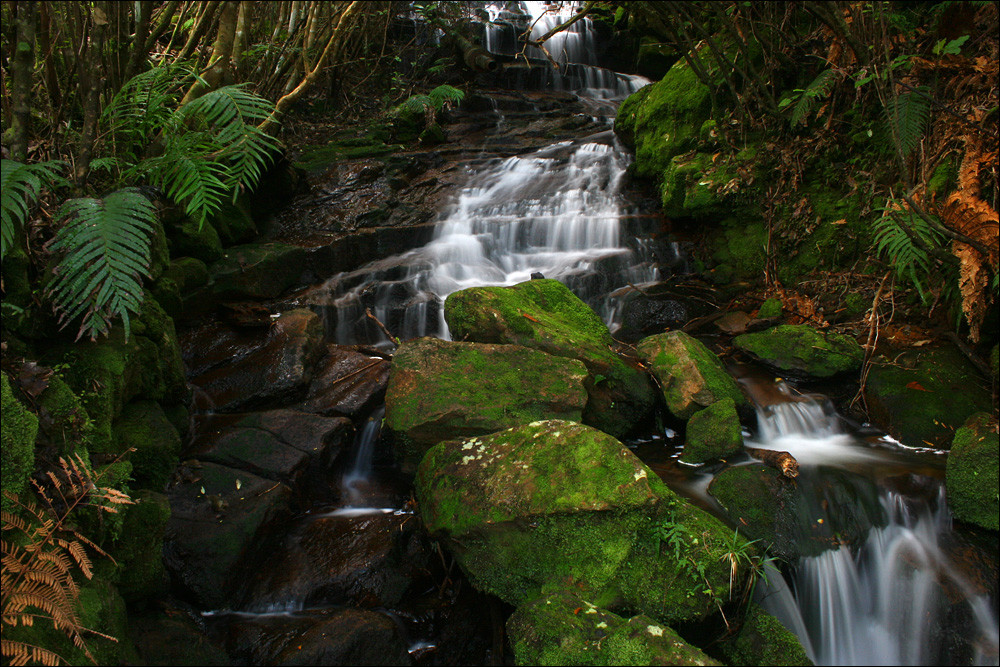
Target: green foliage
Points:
(953, 47)
(907, 252)
(439, 98)
(679, 541)
(818, 89)
(907, 115)
(20, 187)
(107, 246)
(199, 152)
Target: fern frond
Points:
(189, 178)
(144, 106)
(900, 249)
(20, 186)
(445, 94)
(107, 246)
(819, 88)
(907, 115)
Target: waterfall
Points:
(889, 599)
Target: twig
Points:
(870, 344)
(385, 329)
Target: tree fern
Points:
(107, 243)
(20, 186)
(907, 116)
(907, 251)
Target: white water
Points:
(885, 601)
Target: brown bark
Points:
(92, 86)
(198, 31)
(52, 87)
(783, 461)
(139, 53)
(21, 67)
(219, 68)
(162, 23)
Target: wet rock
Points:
(558, 503)
(144, 427)
(545, 315)
(365, 561)
(174, 637)
(690, 375)
(763, 641)
(335, 637)
(798, 349)
(922, 396)
(973, 469)
(187, 238)
(139, 548)
(563, 628)
(257, 271)
(713, 433)
(440, 390)
(643, 316)
(217, 521)
(347, 383)
(277, 369)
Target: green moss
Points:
(258, 271)
(803, 349)
(713, 433)
(771, 308)
(187, 238)
(856, 304)
(626, 117)
(740, 245)
(345, 147)
(943, 179)
(763, 641)
(233, 223)
(19, 427)
(973, 470)
(139, 548)
(144, 427)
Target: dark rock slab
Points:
(347, 383)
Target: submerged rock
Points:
(690, 375)
(558, 503)
(713, 433)
(546, 315)
(563, 628)
(922, 396)
(973, 470)
(801, 349)
(440, 390)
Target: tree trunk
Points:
(139, 52)
(198, 31)
(46, 48)
(219, 68)
(94, 83)
(21, 67)
(162, 23)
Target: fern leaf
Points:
(445, 94)
(819, 88)
(107, 245)
(907, 116)
(20, 186)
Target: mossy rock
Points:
(738, 249)
(16, 284)
(139, 548)
(713, 433)
(562, 628)
(972, 473)
(144, 427)
(547, 316)
(258, 271)
(439, 390)
(690, 375)
(188, 273)
(19, 427)
(66, 424)
(762, 642)
(321, 158)
(557, 504)
(233, 222)
(798, 349)
(923, 396)
(770, 309)
(188, 238)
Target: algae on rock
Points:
(801, 349)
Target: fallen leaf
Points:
(916, 385)
(34, 379)
(921, 343)
(842, 221)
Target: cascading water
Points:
(888, 599)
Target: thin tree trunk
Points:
(139, 51)
(52, 87)
(220, 65)
(240, 39)
(162, 23)
(199, 30)
(21, 66)
(94, 84)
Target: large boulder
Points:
(546, 315)
(690, 375)
(19, 427)
(144, 427)
(921, 397)
(139, 548)
(276, 368)
(763, 641)
(713, 433)
(562, 628)
(439, 390)
(972, 474)
(798, 349)
(347, 383)
(258, 271)
(555, 503)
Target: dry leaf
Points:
(916, 385)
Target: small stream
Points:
(894, 596)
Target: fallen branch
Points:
(385, 329)
(783, 461)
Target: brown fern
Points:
(41, 554)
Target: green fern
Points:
(445, 94)
(820, 88)
(910, 260)
(107, 246)
(20, 187)
(907, 115)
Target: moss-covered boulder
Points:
(233, 222)
(562, 628)
(798, 349)
(763, 642)
(921, 397)
(546, 315)
(65, 423)
(186, 238)
(181, 278)
(973, 469)
(139, 547)
(144, 427)
(19, 427)
(690, 375)
(555, 504)
(258, 271)
(441, 390)
(713, 433)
